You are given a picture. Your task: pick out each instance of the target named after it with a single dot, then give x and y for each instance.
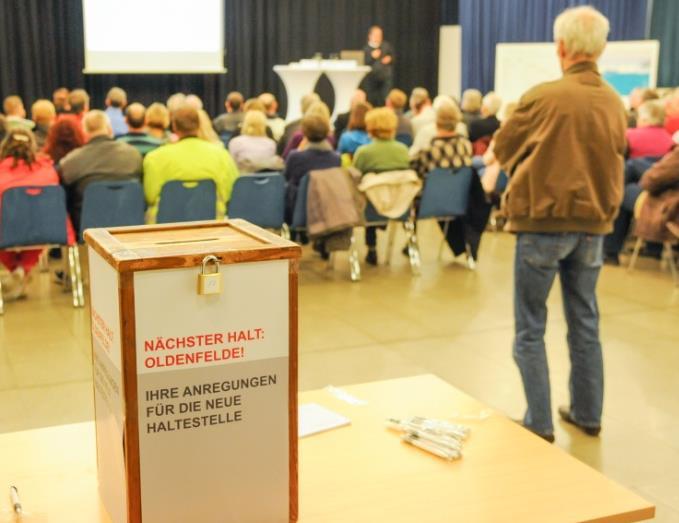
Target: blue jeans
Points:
(577, 258)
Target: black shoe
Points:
(612, 259)
(549, 438)
(371, 257)
(565, 413)
(405, 251)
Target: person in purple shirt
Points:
(316, 153)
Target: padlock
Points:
(210, 283)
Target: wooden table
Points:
(362, 473)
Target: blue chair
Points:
(299, 224)
(405, 139)
(501, 183)
(225, 137)
(112, 204)
(187, 201)
(374, 219)
(445, 197)
(34, 217)
(260, 199)
(299, 211)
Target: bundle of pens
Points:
(441, 438)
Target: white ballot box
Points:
(194, 343)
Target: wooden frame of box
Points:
(195, 395)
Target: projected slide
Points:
(154, 36)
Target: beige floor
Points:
(450, 321)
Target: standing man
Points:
(379, 55)
(564, 147)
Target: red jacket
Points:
(41, 173)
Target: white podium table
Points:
(300, 78)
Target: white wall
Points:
(450, 60)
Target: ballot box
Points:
(194, 348)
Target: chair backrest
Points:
(112, 204)
(187, 201)
(299, 212)
(405, 139)
(260, 199)
(501, 183)
(445, 193)
(33, 215)
(225, 137)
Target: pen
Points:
(433, 449)
(14, 497)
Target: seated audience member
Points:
(487, 124)
(291, 128)
(421, 110)
(396, 101)
(318, 154)
(449, 150)
(427, 132)
(15, 113)
(297, 141)
(158, 122)
(60, 100)
(189, 159)
(175, 101)
(659, 207)
(342, 119)
(43, 115)
(274, 122)
(65, 135)
(231, 120)
(21, 165)
(471, 105)
(383, 154)
(638, 96)
(649, 138)
(116, 101)
(205, 131)
(253, 150)
(487, 166)
(356, 134)
(101, 158)
(79, 102)
(672, 113)
(137, 137)
(253, 104)
(193, 100)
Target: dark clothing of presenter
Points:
(378, 81)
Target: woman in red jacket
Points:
(20, 165)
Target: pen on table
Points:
(14, 497)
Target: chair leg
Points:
(443, 240)
(43, 264)
(471, 262)
(76, 278)
(635, 254)
(667, 250)
(413, 249)
(391, 236)
(285, 232)
(354, 263)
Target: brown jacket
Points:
(564, 150)
(662, 204)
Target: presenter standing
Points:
(379, 55)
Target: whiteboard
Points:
(450, 60)
(625, 65)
